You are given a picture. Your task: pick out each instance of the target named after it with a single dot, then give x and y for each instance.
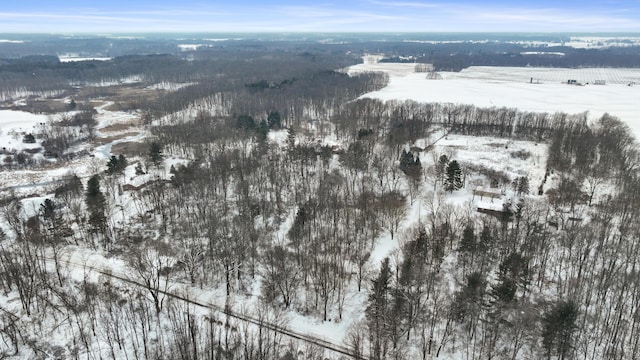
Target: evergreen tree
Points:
(52, 220)
(262, 131)
(504, 291)
(96, 202)
(122, 162)
(48, 209)
(29, 139)
(94, 196)
(274, 120)
(155, 153)
(441, 167)
(514, 273)
(363, 133)
(378, 311)
(559, 324)
(453, 180)
(245, 122)
(469, 299)
(486, 239)
(418, 248)
(410, 164)
(468, 241)
(116, 164)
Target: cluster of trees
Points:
(55, 136)
(60, 133)
(67, 317)
(495, 310)
(405, 121)
(116, 164)
(300, 220)
(314, 96)
(410, 164)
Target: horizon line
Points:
(103, 33)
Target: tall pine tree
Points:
(453, 180)
(559, 325)
(155, 153)
(96, 202)
(378, 312)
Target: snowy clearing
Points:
(527, 89)
(169, 86)
(14, 124)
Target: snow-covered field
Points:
(576, 42)
(13, 124)
(526, 88)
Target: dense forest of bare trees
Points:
(274, 227)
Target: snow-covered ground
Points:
(482, 86)
(131, 79)
(525, 88)
(169, 86)
(189, 47)
(13, 124)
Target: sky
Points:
(119, 16)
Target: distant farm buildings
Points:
(595, 82)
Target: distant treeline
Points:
(458, 56)
(259, 64)
(224, 69)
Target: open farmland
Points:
(528, 89)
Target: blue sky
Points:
(113, 16)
